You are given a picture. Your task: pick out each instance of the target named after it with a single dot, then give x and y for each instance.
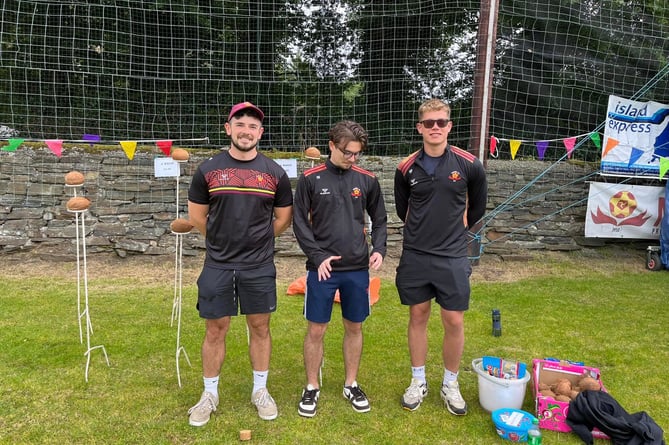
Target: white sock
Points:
(259, 380)
(211, 385)
(450, 376)
(418, 373)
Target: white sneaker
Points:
(450, 394)
(200, 414)
(267, 409)
(414, 395)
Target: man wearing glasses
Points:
(440, 191)
(331, 206)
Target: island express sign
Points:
(635, 139)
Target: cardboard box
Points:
(552, 414)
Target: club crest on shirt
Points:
(356, 193)
(260, 179)
(455, 176)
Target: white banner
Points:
(624, 211)
(635, 138)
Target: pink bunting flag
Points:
(129, 148)
(515, 145)
(596, 140)
(13, 144)
(569, 145)
(493, 145)
(55, 145)
(664, 166)
(541, 149)
(165, 146)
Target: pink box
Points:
(552, 414)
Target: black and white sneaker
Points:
(307, 405)
(357, 397)
(414, 395)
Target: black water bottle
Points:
(496, 323)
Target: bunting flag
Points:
(129, 148)
(165, 146)
(92, 138)
(569, 145)
(515, 145)
(596, 140)
(55, 145)
(541, 149)
(493, 145)
(610, 145)
(634, 156)
(664, 166)
(13, 144)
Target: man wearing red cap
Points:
(240, 200)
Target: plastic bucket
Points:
(496, 393)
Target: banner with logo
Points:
(636, 137)
(624, 211)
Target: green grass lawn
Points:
(613, 318)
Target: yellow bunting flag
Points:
(129, 148)
(13, 145)
(55, 145)
(610, 145)
(515, 145)
(664, 166)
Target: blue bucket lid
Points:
(512, 422)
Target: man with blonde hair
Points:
(440, 192)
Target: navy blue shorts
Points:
(353, 289)
(421, 277)
(224, 292)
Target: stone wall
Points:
(131, 209)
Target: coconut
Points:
(181, 225)
(589, 383)
(312, 153)
(179, 154)
(78, 203)
(547, 393)
(562, 398)
(562, 387)
(74, 178)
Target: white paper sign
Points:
(166, 168)
(290, 165)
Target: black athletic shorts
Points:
(421, 277)
(224, 292)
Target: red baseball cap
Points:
(243, 106)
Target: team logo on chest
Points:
(455, 176)
(356, 193)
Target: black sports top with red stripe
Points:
(329, 216)
(433, 207)
(241, 196)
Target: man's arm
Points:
(197, 215)
(282, 218)
(401, 195)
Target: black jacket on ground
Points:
(599, 409)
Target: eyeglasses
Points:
(429, 123)
(350, 155)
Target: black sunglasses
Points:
(429, 123)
